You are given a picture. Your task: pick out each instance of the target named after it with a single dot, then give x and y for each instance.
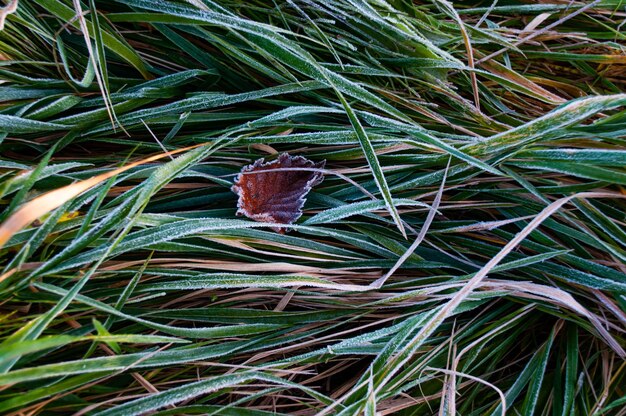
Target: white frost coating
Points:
(185, 228)
(357, 208)
(13, 124)
(291, 112)
(231, 281)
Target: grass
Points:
(465, 254)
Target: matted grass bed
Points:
(464, 254)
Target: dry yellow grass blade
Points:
(502, 71)
(45, 203)
(11, 7)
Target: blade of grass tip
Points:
(95, 62)
(476, 379)
(89, 74)
(475, 281)
(102, 63)
(378, 283)
(372, 161)
(45, 203)
(418, 135)
(7, 10)
(486, 14)
(179, 124)
(156, 139)
(468, 48)
(95, 205)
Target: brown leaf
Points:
(275, 191)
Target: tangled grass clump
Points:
(465, 253)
